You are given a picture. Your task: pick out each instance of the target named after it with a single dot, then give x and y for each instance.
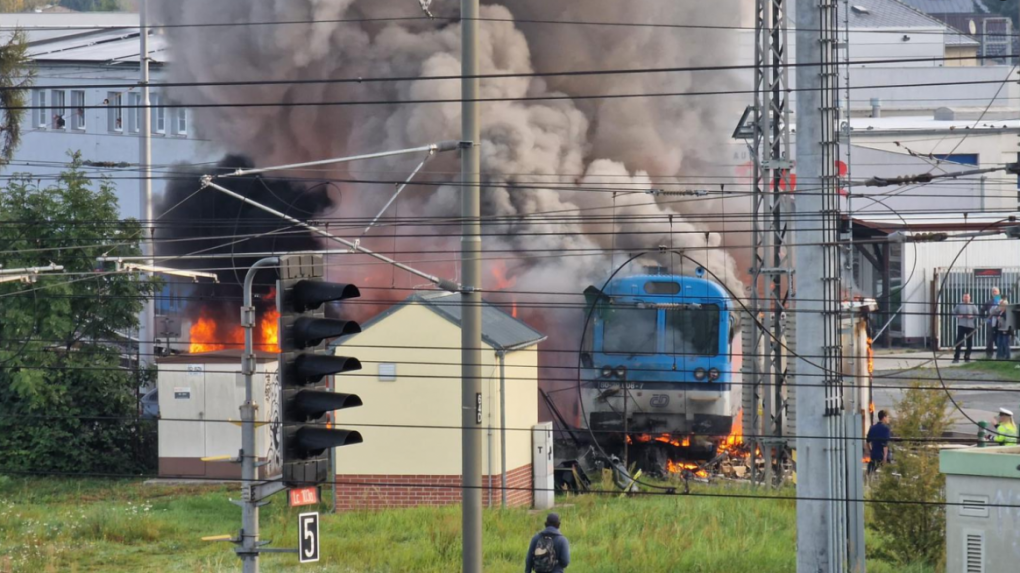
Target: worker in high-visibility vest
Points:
(1005, 430)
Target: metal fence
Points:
(976, 282)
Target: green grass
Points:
(91, 526)
(1004, 370)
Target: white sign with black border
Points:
(308, 537)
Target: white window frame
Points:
(115, 112)
(134, 112)
(78, 109)
(59, 102)
(158, 113)
(41, 118)
(181, 121)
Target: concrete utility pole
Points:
(827, 539)
(471, 298)
(146, 330)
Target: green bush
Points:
(912, 521)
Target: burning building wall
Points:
(565, 169)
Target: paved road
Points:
(980, 394)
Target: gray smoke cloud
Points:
(531, 150)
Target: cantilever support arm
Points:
(431, 148)
(444, 284)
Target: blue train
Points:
(661, 361)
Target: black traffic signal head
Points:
(311, 368)
(314, 404)
(308, 295)
(315, 441)
(307, 331)
(306, 399)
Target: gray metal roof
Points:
(897, 14)
(93, 37)
(499, 329)
(949, 6)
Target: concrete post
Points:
(471, 298)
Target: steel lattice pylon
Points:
(767, 400)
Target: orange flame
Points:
(676, 467)
(503, 282)
(207, 335)
(736, 437)
(268, 328)
(871, 357)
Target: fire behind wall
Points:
(192, 221)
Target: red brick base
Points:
(383, 491)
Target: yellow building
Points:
(411, 417)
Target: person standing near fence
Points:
(966, 315)
(990, 306)
(1003, 330)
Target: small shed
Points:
(199, 407)
(411, 388)
(983, 508)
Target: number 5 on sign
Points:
(308, 534)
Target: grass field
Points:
(1005, 370)
(49, 525)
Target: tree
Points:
(66, 402)
(19, 5)
(914, 532)
(16, 76)
(93, 5)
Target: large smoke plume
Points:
(531, 150)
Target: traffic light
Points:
(305, 363)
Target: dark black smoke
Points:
(193, 221)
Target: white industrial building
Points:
(72, 61)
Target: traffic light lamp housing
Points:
(306, 399)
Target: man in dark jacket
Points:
(986, 309)
(560, 545)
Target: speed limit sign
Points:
(308, 537)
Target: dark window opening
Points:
(662, 288)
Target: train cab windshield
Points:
(693, 331)
(689, 331)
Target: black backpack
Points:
(544, 560)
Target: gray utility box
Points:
(983, 509)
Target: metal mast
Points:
(765, 398)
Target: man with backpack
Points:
(549, 551)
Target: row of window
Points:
(52, 112)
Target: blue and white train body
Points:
(661, 357)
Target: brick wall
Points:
(355, 492)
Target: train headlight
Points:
(713, 374)
(699, 374)
(606, 372)
(621, 372)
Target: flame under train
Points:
(661, 363)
